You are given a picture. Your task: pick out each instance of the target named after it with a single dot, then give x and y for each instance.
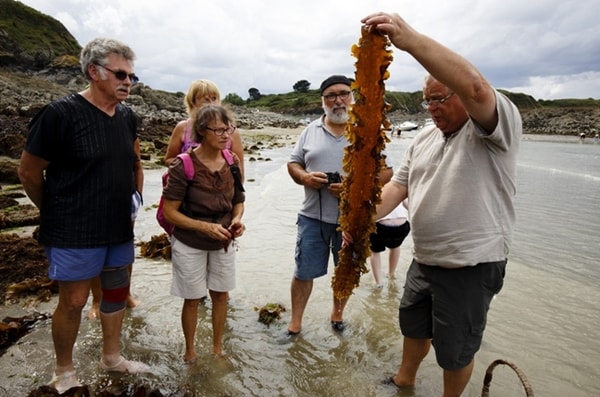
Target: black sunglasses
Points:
(122, 75)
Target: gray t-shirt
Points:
(461, 191)
(317, 150)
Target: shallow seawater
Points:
(545, 320)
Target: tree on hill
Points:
(301, 86)
(254, 93)
(234, 99)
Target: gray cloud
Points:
(546, 48)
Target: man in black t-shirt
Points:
(81, 167)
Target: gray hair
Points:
(96, 52)
(427, 79)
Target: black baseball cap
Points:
(335, 79)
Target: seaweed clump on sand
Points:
(158, 247)
(270, 313)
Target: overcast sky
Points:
(549, 49)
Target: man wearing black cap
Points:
(316, 163)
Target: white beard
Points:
(337, 116)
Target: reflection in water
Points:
(545, 320)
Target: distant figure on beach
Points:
(81, 167)
(316, 164)
(207, 215)
(201, 92)
(581, 137)
(391, 230)
(596, 138)
(461, 179)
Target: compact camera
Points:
(333, 177)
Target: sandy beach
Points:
(285, 135)
(272, 134)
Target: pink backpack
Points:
(188, 169)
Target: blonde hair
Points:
(200, 88)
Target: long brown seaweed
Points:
(363, 158)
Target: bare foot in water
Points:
(94, 312)
(132, 302)
(123, 365)
(64, 381)
(190, 359)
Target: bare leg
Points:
(456, 381)
(376, 267)
(394, 257)
(94, 311)
(189, 319)
(111, 333)
(301, 290)
(413, 353)
(219, 315)
(337, 313)
(72, 297)
(111, 357)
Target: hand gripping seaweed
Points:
(363, 159)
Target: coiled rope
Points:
(485, 392)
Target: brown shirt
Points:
(209, 197)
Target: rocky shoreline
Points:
(24, 93)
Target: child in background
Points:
(391, 232)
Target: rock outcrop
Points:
(23, 94)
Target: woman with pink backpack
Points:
(206, 213)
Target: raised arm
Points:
(445, 65)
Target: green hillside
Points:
(30, 38)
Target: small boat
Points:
(428, 121)
(407, 126)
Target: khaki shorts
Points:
(195, 271)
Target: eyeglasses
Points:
(332, 97)
(220, 131)
(122, 75)
(438, 102)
